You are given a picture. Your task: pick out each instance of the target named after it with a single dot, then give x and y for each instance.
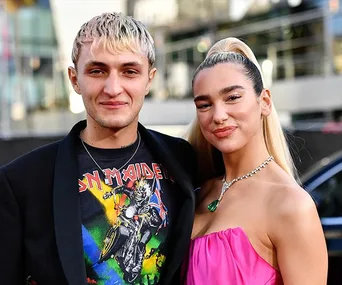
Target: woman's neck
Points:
(244, 160)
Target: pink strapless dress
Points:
(228, 258)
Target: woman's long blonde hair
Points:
(210, 160)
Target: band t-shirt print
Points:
(125, 222)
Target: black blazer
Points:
(40, 218)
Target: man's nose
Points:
(113, 85)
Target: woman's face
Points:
(228, 110)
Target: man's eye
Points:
(96, 71)
(131, 72)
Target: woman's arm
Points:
(299, 239)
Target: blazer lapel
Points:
(183, 226)
(164, 153)
(67, 216)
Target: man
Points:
(113, 202)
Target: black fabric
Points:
(40, 216)
(136, 208)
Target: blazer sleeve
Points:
(188, 160)
(11, 241)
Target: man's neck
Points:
(109, 138)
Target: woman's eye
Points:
(233, 97)
(203, 106)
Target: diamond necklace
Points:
(104, 173)
(226, 185)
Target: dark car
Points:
(324, 183)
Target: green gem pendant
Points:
(213, 205)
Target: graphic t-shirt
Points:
(126, 214)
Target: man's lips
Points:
(114, 104)
(224, 132)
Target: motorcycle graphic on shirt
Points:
(140, 214)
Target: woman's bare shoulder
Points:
(290, 204)
(283, 190)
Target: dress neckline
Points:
(219, 232)
(238, 230)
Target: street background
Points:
(298, 44)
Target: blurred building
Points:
(298, 45)
(297, 42)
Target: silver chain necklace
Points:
(106, 179)
(226, 185)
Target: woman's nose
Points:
(220, 114)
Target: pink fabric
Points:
(228, 257)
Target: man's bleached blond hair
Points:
(115, 33)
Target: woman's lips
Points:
(224, 132)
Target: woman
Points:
(254, 224)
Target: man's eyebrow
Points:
(223, 91)
(131, 63)
(95, 63)
(102, 64)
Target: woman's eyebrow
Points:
(229, 89)
(223, 91)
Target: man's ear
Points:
(72, 73)
(151, 76)
(265, 102)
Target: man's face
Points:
(113, 86)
